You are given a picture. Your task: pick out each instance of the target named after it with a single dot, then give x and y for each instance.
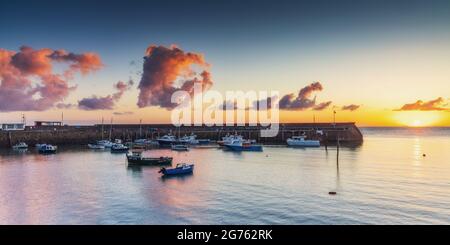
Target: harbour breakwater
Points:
(81, 135)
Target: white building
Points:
(12, 126)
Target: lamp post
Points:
(334, 118)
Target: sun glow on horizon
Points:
(418, 118)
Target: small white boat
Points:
(301, 141)
(191, 139)
(140, 141)
(47, 149)
(96, 146)
(179, 147)
(105, 143)
(151, 142)
(119, 148)
(20, 146)
(228, 139)
(118, 141)
(167, 140)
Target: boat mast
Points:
(110, 129)
(334, 118)
(102, 127)
(140, 129)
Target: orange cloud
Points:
(322, 106)
(83, 63)
(351, 107)
(432, 105)
(164, 68)
(19, 70)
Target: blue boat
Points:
(240, 145)
(180, 169)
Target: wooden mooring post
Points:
(337, 153)
(9, 139)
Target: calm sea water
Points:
(386, 180)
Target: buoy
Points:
(332, 193)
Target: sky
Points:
(378, 63)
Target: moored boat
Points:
(301, 141)
(189, 139)
(137, 158)
(241, 145)
(119, 148)
(96, 146)
(203, 141)
(47, 149)
(20, 146)
(152, 142)
(105, 143)
(180, 169)
(228, 139)
(167, 140)
(180, 147)
(140, 141)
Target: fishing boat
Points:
(180, 147)
(119, 148)
(20, 146)
(105, 143)
(47, 149)
(96, 146)
(189, 139)
(301, 141)
(242, 145)
(167, 140)
(180, 169)
(137, 158)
